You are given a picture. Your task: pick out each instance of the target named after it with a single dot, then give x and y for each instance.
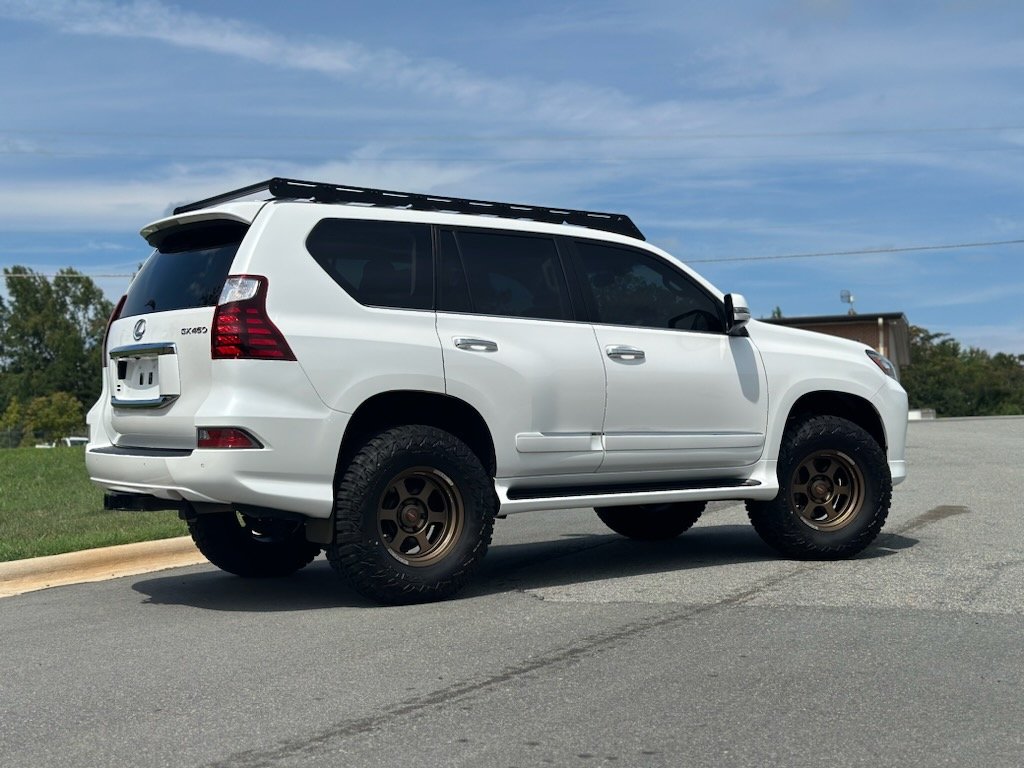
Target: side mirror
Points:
(737, 313)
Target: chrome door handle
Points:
(621, 352)
(475, 345)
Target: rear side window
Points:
(378, 263)
(187, 269)
(507, 275)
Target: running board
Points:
(581, 496)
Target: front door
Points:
(681, 394)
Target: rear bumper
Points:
(295, 472)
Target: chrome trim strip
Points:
(144, 350)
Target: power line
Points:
(79, 276)
(862, 252)
(478, 159)
(526, 137)
(819, 254)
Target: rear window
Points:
(187, 269)
(378, 263)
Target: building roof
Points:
(843, 319)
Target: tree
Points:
(11, 424)
(56, 416)
(50, 335)
(962, 382)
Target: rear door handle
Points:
(475, 345)
(622, 352)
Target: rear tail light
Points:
(225, 437)
(113, 316)
(242, 330)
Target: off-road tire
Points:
(652, 522)
(252, 547)
(381, 548)
(834, 491)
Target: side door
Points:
(681, 393)
(514, 349)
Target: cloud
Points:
(96, 204)
(831, 81)
(1008, 338)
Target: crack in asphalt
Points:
(321, 742)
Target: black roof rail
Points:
(331, 193)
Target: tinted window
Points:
(187, 269)
(514, 276)
(380, 263)
(633, 288)
(453, 293)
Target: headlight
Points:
(882, 362)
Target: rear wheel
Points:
(834, 492)
(652, 522)
(414, 514)
(250, 546)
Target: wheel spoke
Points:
(439, 516)
(405, 492)
(392, 498)
(422, 540)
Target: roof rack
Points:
(293, 189)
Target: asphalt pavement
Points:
(573, 647)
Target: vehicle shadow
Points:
(600, 557)
(568, 559)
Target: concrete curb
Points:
(20, 576)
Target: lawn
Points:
(48, 506)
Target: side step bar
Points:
(519, 499)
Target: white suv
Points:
(381, 374)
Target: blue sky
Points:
(725, 130)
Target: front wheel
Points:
(834, 492)
(252, 547)
(414, 515)
(652, 522)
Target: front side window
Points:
(507, 275)
(378, 263)
(629, 287)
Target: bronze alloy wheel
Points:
(420, 516)
(827, 491)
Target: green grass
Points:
(48, 506)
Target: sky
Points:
(739, 136)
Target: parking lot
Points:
(573, 647)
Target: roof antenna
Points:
(848, 298)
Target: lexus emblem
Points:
(139, 329)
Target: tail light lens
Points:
(225, 437)
(113, 316)
(242, 330)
